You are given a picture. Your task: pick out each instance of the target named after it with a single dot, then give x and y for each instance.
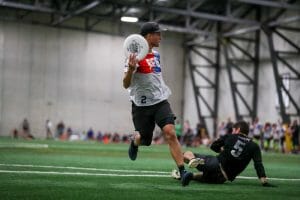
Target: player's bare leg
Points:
(175, 150)
(174, 146)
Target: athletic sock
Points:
(181, 169)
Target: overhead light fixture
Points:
(129, 19)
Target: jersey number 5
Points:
(237, 148)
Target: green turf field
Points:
(43, 169)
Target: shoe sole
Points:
(195, 162)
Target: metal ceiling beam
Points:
(272, 21)
(203, 15)
(77, 12)
(194, 7)
(285, 21)
(279, 4)
(181, 29)
(198, 4)
(27, 7)
(255, 28)
(163, 15)
(183, 12)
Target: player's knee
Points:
(170, 136)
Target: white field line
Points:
(82, 173)
(24, 145)
(142, 173)
(83, 168)
(269, 178)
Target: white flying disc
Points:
(136, 44)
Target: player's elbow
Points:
(126, 81)
(215, 148)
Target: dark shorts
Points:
(145, 118)
(211, 169)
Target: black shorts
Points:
(145, 118)
(211, 169)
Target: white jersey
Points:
(147, 85)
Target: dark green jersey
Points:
(238, 152)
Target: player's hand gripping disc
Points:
(136, 44)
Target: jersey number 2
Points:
(143, 99)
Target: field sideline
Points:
(41, 169)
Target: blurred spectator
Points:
(205, 139)
(188, 138)
(295, 136)
(281, 131)
(287, 138)
(221, 129)
(201, 136)
(99, 136)
(15, 133)
(229, 126)
(158, 137)
(66, 135)
(276, 137)
(26, 129)
(69, 132)
(186, 126)
(60, 129)
(257, 132)
(188, 135)
(90, 134)
(76, 135)
(48, 129)
(197, 140)
(106, 138)
(116, 138)
(125, 138)
(25, 126)
(267, 135)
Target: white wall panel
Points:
(74, 76)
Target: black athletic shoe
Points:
(132, 151)
(186, 177)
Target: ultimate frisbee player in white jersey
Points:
(149, 93)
